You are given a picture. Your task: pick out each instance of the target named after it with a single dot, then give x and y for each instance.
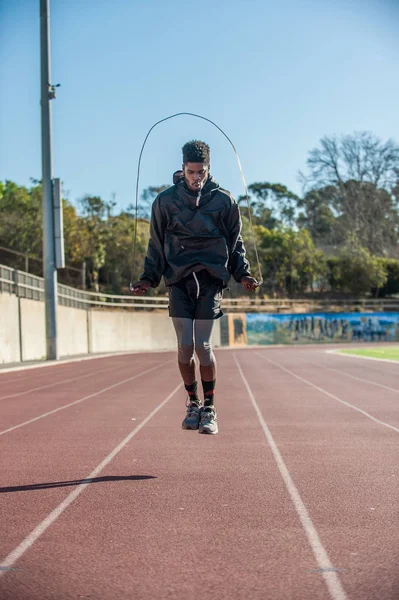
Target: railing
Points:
(25, 285)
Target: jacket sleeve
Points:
(154, 262)
(238, 264)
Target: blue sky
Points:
(276, 76)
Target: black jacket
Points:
(185, 237)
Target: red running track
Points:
(104, 496)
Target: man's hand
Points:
(249, 283)
(140, 288)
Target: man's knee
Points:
(185, 353)
(205, 354)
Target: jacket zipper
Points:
(198, 285)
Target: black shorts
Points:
(197, 296)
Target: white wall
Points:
(125, 330)
(72, 331)
(120, 330)
(33, 328)
(9, 329)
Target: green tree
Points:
(21, 218)
(391, 286)
(356, 270)
(290, 261)
(271, 204)
(95, 210)
(317, 216)
(119, 250)
(306, 263)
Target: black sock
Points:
(209, 392)
(192, 392)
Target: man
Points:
(177, 176)
(195, 244)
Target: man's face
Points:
(195, 175)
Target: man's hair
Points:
(196, 152)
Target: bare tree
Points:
(361, 157)
(362, 173)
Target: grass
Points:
(386, 352)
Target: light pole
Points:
(49, 267)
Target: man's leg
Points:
(185, 349)
(186, 362)
(203, 347)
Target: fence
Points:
(34, 265)
(26, 285)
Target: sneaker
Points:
(193, 415)
(208, 421)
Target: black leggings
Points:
(194, 335)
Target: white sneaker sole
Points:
(206, 432)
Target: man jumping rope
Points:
(196, 245)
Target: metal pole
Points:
(49, 270)
(84, 275)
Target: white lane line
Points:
(328, 571)
(316, 387)
(51, 412)
(362, 379)
(15, 554)
(63, 361)
(49, 385)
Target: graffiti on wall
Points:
(321, 328)
(237, 329)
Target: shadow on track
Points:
(56, 484)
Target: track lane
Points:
(35, 462)
(346, 469)
(380, 405)
(214, 521)
(237, 536)
(53, 384)
(383, 373)
(42, 403)
(38, 375)
(328, 571)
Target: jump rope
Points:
(260, 279)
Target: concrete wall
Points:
(9, 329)
(72, 331)
(124, 330)
(22, 330)
(33, 329)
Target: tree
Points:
(273, 204)
(355, 270)
(94, 211)
(306, 264)
(391, 286)
(119, 250)
(316, 215)
(21, 218)
(290, 261)
(360, 172)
